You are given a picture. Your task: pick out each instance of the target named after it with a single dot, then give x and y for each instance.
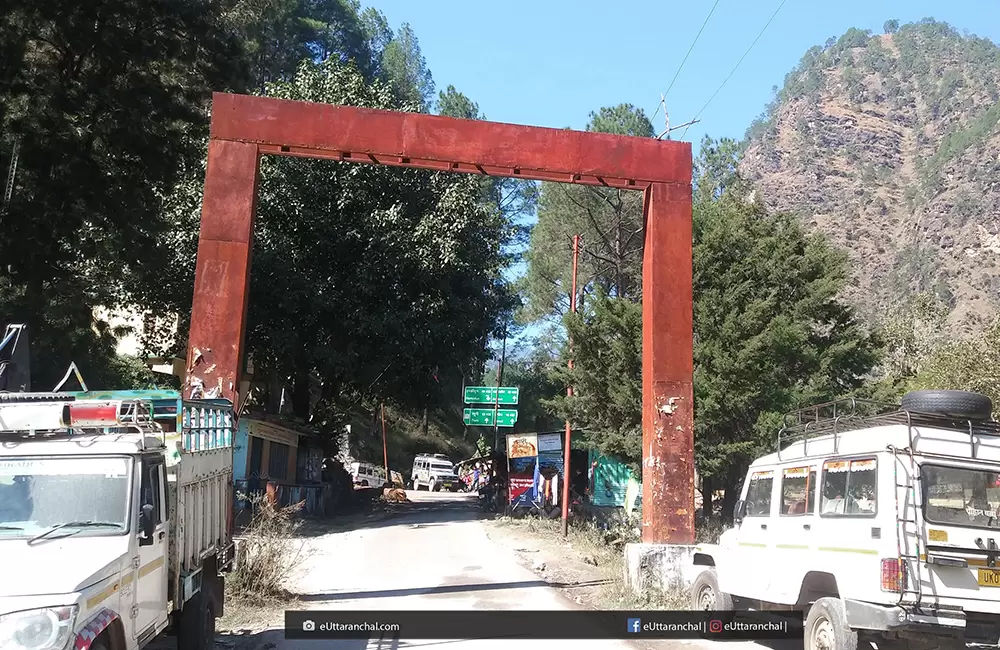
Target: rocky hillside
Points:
(890, 144)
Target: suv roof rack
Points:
(24, 398)
(852, 414)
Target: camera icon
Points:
(715, 627)
(308, 626)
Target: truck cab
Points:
(114, 519)
(881, 524)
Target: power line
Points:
(691, 49)
(726, 80)
(663, 97)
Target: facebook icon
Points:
(634, 625)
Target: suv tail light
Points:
(893, 574)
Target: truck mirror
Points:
(146, 523)
(740, 511)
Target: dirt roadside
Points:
(588, 571)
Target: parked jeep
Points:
(881, 522)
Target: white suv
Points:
(368, 475)
(882, 524)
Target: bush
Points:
(268, 553)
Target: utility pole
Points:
(385, 449)
(496, 406)
(569, 393)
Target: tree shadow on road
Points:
(443, 589)
(411, 513)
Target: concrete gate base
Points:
(660, 567)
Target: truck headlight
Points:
(49, 628)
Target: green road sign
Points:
(484, 417)
(488, 395)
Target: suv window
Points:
(798, 491)
(849, 488)
(759, 494)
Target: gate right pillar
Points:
(665, 555)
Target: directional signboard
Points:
(484, 417)
(488, 395)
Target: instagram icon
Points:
(715, 627)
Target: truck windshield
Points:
(961, 496)
(442, 467)
(37, 493)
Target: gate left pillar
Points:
(222, 274)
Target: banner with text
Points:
(478, 624)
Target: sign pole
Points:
(496, 404)
(569, 393)
(385, 450)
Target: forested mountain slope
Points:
(890, 145)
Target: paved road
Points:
(437, 556)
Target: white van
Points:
(883, 525)
(435, 472)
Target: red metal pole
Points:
(385, 450)
(569, 393)
(667, 368)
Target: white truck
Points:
(115, 519)
(881, 524)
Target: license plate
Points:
(989, 577)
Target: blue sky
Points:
(552, 62)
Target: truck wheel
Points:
(432, 486)
(826, 627)
(705, 594)
(197, 625)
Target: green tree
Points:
(279, 34)
(891, 26)
(770, 335)
(514, 198)
(606, 376)
(100, 101)
(971, 364)
(363, 274)
(610, 222)
(406, 69)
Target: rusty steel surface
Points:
(244, 127)
(222, 273)
(667, 367)
(445, 143)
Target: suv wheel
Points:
(705, 594)
(826, 627)
(432, 486)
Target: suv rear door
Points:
(961, 508)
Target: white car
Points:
(882, 526)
